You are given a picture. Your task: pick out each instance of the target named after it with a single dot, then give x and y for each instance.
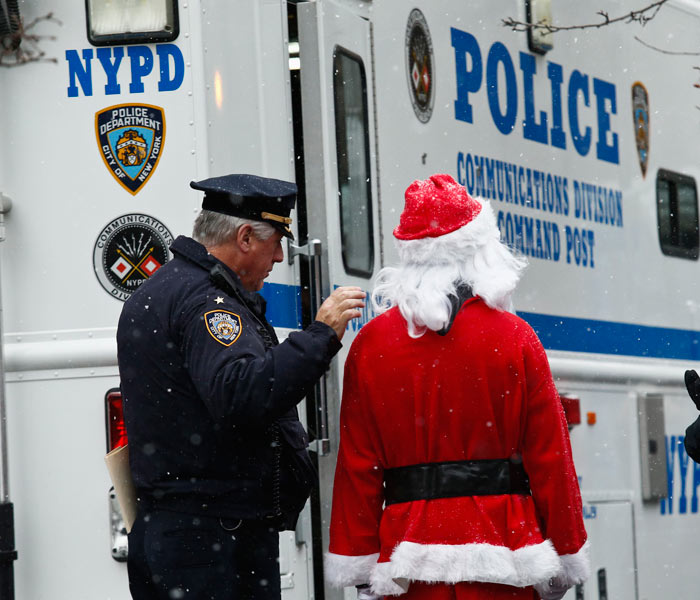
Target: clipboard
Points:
(120, 473)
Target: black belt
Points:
(453, 479)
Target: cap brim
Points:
(283, 229)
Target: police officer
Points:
(217, 452)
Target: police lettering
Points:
(579, 246)
(538, 126)
(597, 203)
(134, 218)
(130, 117)
(530, 236)
(171, 66)
(514, 184)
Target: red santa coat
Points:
(483, 391)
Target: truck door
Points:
(611, 533)
(335, 46)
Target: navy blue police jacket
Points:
(210, 395)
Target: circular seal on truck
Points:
(128, 251)
(420, 65)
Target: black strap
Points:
(463, 293)
(453, 479)
(222, 280)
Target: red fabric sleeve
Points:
(358, 492)
(547, 455)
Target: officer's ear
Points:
(244, 237)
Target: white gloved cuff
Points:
(554, 589)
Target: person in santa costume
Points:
(454, 477)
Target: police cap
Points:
(250, 197)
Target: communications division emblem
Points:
(128, 251)
(420, 65)
(640, 114)
(130, 138)
(223, 326)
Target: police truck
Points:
(585, 141)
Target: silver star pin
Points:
(219, 300)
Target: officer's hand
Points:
(692, 384)
(341, 306)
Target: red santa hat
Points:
(445, 237)
(434, 207)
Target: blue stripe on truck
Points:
(557, 333)
(283, 305)
(608, 337)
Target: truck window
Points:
(677, 211)
(352, 150)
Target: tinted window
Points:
(352, 148)
(677, 210)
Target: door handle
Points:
(602, 585)
(313, 249)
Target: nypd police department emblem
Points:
(640, 114)
(223, 326)
(420, 65)
(130, 138)
(128, 251)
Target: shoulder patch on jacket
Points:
(225, 327)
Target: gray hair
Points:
(213, 229)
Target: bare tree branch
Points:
(23, 46)
(671, 52)
(641, 16)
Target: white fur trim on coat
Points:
(576, 567)
(434, 563)
(342, 571)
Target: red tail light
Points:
(114, 414)
(572, 409)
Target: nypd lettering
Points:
(223, 326)
(111, 65)
(128, 251)
(683, 480)
(130, 138)
(420, 65)
(505, 95)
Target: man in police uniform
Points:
(217, 452)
